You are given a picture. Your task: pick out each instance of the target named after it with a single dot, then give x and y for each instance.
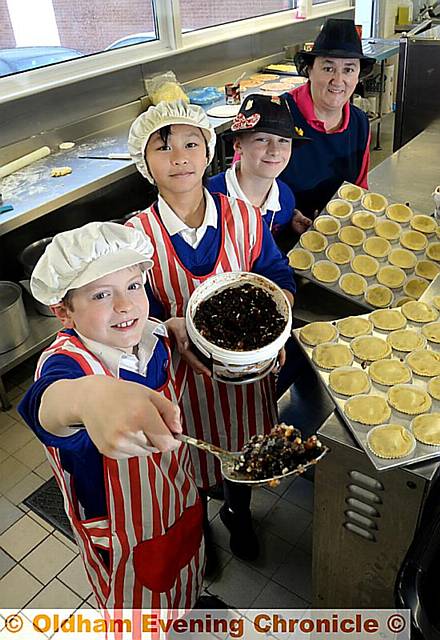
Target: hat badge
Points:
(241, 122)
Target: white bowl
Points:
(238, 367)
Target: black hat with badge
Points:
(338, 38)
(267, 114)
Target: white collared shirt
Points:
(192, 236)
(116, 359)
(272, 202)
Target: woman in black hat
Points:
(340, 131)
(264, 134)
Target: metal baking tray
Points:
(334, 287)
(422, 452)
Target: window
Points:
(43, 32)
(199, 14)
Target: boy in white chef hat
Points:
(127, 482)
(195, 235)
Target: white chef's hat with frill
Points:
(162, 115)
(81, 256)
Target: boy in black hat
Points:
(264, 133)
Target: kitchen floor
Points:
(41, 568)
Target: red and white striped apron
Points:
(224, 414)
(153, 532)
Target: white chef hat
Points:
(80, 256)
(162, 115)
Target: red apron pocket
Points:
(158, 561)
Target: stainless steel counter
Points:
(412, 173)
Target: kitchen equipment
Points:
(14, 327)
(40, 308)
(109, 156)
(238, 367)
(24, 161)
(228, 459)
(30, 255)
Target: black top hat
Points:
(268, 114)
(338, 38)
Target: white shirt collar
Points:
(115, 359)
(173, 224)
(272, 202)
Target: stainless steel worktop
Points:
(411, 173)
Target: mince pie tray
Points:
(409, 271)
(419, 392)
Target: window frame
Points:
(171, 40)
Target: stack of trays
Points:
(382, 370)
(369, 250)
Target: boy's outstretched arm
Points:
(123, 419)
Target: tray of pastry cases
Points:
(421, 452)
(363, 240)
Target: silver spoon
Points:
(229, 458)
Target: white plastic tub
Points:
(238, 367)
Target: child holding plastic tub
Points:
(127, 483)
(196, 234)
(263, 135)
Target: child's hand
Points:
(128, 419)
(123, 419)
(300, 222)
(178, 328)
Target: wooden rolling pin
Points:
(29, 158)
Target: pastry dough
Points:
(59, 172)
(402, 258)
(389, 372)
(434, 387)
(419, 311)
(365, 265)
(317, 333)
(391, 277)
(300, 259)
(387, 319)
(414, 287)
(374, 202)
(409, 399)
(400, 301)
(399, 212)
(326, 271)
(387, 229)
(339, 209)
(331, 356)
(352, 236)
(413, 240)
(350, 192)
(377, 247)
(427, 269)
(424, 362)
(426, 428)
(433, 251)
(369, 348)
(364, 220)
(339, 253)
(391, 441)
(327, 225)
(367, 409)
(436, 302)
(313, 241)
(432, 331)
(424, 224)
(354, 326)
(379, 296)
(352, 284)
(349, 381)
(406, 340)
